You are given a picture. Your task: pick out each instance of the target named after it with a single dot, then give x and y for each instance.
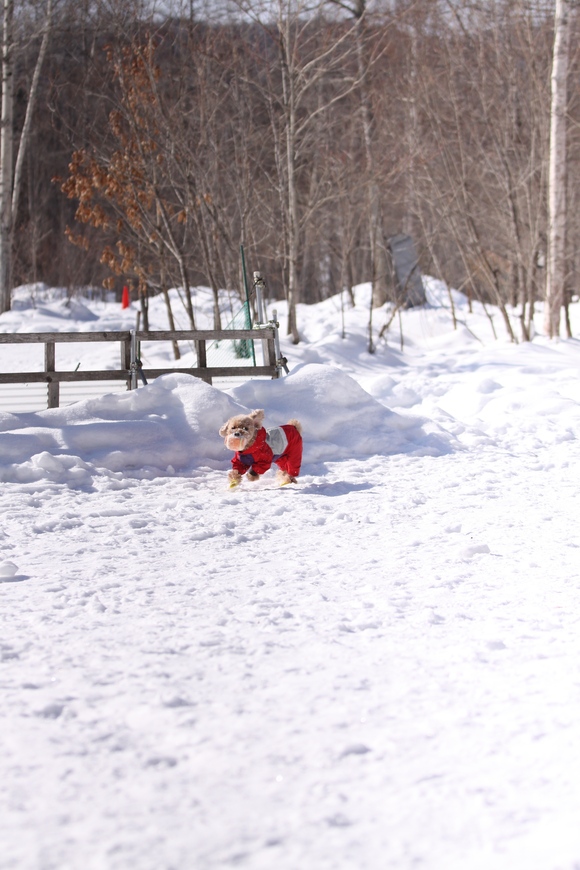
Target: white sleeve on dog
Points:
(276, 440)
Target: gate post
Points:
(134, 359)
(53, 389)
(280, 361)
(126, 358)
(201, 352)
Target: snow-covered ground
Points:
(376, 669)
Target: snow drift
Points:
(171, 425)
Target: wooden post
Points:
(126, 359)
(279, 360)
(50, 366)
(134, 356)
(202, 357)
(271, 355)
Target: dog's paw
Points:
(234, 478)
(284, 478)
(253, 476)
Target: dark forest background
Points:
(164, 138)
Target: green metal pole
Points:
(247, 292)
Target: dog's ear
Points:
(257, 417)
(223, 431)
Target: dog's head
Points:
(240, 431)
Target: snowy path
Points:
(376, 669)
(331, 687)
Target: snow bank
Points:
(172, 425)
(340, 419)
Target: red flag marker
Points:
(125, 301)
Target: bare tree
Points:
(121, 186)
(306, 69)
(483, 173)
(6, 151)
(10, 175)
(557, 206)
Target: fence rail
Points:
(130, 365)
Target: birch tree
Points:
(376, 238)
(10, 174)
(307, 68)
(304, 61)
(557, 180)
(6, 150)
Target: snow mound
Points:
(172, 425)
(340, 419)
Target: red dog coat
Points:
(282, 445)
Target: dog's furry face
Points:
(240, 432)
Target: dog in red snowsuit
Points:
(256, 448)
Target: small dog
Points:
(256, 448)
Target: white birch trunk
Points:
(293, 288)
(6, 167)
(289, 95)
(411, 123)
(25, 135)
(556, 266)
(10, 175)
(377, 248)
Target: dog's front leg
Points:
(234, 478)
(253, 476)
